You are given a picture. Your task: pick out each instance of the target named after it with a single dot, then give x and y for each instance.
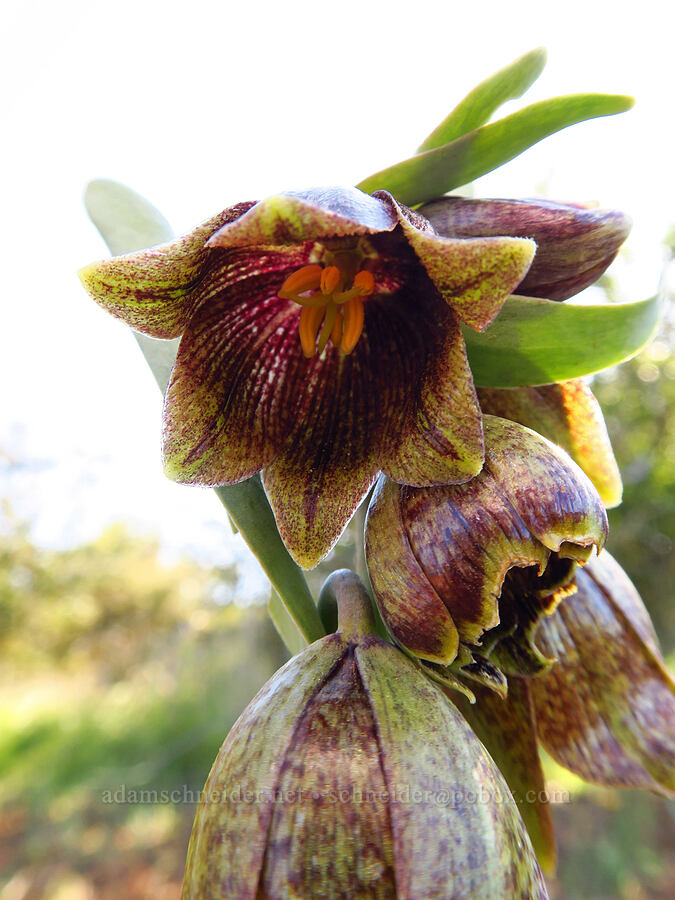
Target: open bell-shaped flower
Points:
(463, 574)
(321, 344)
(351, 775)
(575, 244)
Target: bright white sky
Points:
(199, 105)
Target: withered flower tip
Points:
(320, 344)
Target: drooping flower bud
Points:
(351, 775)
(574, 244)
(465, 572)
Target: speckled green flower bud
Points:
(351, 775)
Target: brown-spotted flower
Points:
(350, 775)
(462, 574)
(320, 344)
(605, 709)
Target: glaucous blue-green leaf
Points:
(445, 168)
(127, 222)
(535, 341)
(484, 100)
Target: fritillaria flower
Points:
(320, 344)
(351, 775)
(463, 574)
(575, 244)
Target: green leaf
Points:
(127, 222)
(483, 101)
(535, 341)
(284, 624)
(442, 169)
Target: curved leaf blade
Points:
(128, 222)
(435, 172)
(484, 100)
(535, 341)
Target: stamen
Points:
(330, 279)
(338, 325)
(354, 317)
(326, 330)
(310, 319)
(365, 281)
(308, 278)
(319, 290)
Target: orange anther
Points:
(365, 281)
(308, 278)
(330, 279)
(354, 317)
(338, 324)
(310, 319)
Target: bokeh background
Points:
(132, 620)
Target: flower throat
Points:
(331, 298)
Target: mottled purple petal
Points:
(295, 217)
(528, 500)
(574, 245)
(410, 607)
(230, 403)
(474, 276)
(155, 291)
(606, 709)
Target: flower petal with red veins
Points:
(411, 609)
(300, 216)
(507, 729)
(229, 405)
(155, 290)
(606, 709)
(474, 276)
(370, 410)
(569, 415)
(574, 245)
(434, 433)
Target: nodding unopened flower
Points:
(605, 709)
(321, 343)
(575, 244)
(463, 573)
(351, 775)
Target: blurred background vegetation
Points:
(121, 670)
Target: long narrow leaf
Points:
(434, 172)
(484, 100)
(127, 222)
(536, 341)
